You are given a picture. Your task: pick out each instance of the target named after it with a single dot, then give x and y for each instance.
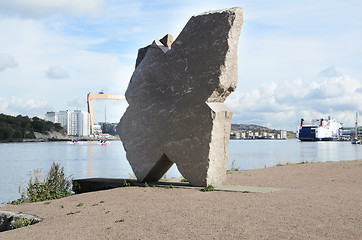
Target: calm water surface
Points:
(18, 160)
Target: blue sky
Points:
(296, 58)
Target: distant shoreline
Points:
(50, 140)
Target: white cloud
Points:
(42, 8)
(282, 105)
(6, 62)
(3, 104)
(57, 72)
(30, 107)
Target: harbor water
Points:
(87, 160)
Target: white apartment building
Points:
(51, 117)
(79, 123)
(76, 123)
(63, 119)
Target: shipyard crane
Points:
(100, 95)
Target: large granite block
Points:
(176, 112)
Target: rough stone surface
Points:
(176, 112)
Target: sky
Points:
(296, 59)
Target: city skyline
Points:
(296, 59)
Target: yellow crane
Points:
(100, 95)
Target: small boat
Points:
(104, 142)
(76, 142)
(356, 141)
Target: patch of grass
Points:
(80, 204)
(71, 213)
(54, 185)
(118, 221)
(283, 164)
(21, 222)
(209, 188)
(289, 163)
(304, 162)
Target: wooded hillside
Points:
(23, 127)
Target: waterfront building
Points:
(76, 123)
(79, 123)
(63, 119)
(283, 134)
(97, 128)
(51, 117)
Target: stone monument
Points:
(176, 112)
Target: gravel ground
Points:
(319, 201)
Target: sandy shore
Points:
(319, 201)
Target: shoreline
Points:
(51, 140)
(319, 200)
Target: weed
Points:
(146, 184)
(54, 185)
(80, 204)
(101, 202)
(47, 203)
(120, 220)
(171, 186)
(71, 213)
(109, 228)
(233, 168)
(184, 180)
(209, 188)
(95, 204)
(245, 191)
(21, 222)
(108, 212)
(126, 183)
(62, 206)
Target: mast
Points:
(105, 114)
(356, 133)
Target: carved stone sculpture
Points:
(176, 112)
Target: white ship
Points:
(320, 130)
